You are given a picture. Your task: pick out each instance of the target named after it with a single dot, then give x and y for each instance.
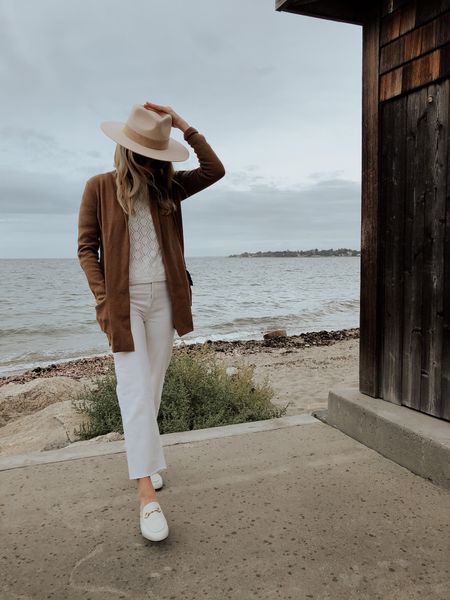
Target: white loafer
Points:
(157, 481)
(153, 522)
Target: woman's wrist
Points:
(188, 132)
(183, 126)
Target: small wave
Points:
(31, 360)
(44, 330)
(305, 316)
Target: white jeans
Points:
(140, 376)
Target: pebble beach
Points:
(36, 411)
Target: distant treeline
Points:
(314, 252)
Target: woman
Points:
(132, 217)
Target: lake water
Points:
(47, 308)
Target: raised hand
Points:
(177, 121)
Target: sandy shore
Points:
(36, 413)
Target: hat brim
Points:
(175, 151)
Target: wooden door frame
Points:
(370, 270)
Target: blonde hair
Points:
(132, 176)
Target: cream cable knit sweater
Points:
(146, 262)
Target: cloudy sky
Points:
(277, 95)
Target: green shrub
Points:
(197, 393)
(100, 406)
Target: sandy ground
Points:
(36, 413)
(303, 377)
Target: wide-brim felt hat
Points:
(147, 132)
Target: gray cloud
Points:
(38, 193)
(325, 214)
(277, 95)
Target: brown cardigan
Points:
(103, 225)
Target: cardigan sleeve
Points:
(210, 170)
(89, 241)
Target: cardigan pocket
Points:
(101, 313)
(190, 286)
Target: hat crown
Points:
(146, 132)
(150, 123)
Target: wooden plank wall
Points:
(414, 46)
(414, 206)
(369, 325)
(390, 303)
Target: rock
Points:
(113, 436)
(20, 399)
(275, 333)
(232, 371)
(56, 445)
(49, 428)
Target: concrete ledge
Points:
(419, 442)
(87, 449)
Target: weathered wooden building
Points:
(405, 210)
